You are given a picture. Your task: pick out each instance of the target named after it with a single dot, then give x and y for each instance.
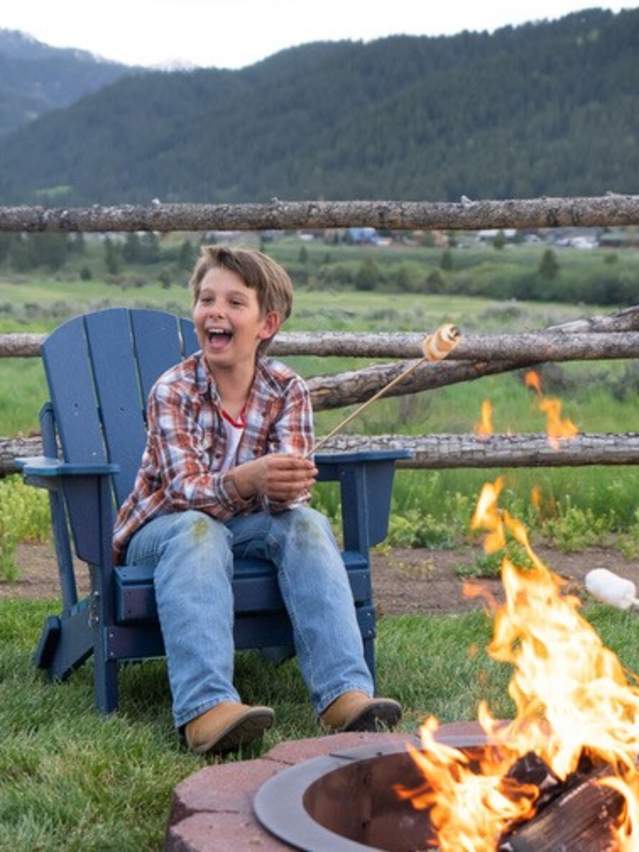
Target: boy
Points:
(224, 473)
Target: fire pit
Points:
(212, 810)
(345, 800)
(563, 775)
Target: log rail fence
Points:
(599, 337)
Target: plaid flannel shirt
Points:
(186, 444)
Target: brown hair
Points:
(270, 281)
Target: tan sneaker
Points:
(226, 727)
(355, 711)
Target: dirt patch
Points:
(404, 581)
(426, 581)
(39, 574)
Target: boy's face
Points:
(228, 321)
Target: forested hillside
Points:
(35, 78)
(545, 108)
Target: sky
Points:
(235, 33)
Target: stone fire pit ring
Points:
(213, 809)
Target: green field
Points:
(430, 508)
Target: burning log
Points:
(578, 818)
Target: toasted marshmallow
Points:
(441, 343)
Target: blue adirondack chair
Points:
(100, 368)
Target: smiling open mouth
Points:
(219, 339)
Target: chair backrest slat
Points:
(157, 345)
(69, 374)
(100, 369)
(189, 338)
(118, 393)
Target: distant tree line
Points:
(26, 252)
(603, 281)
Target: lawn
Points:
(70, 779)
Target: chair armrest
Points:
(366, 484)
(86, 488)
(358, 456)
(45, 466)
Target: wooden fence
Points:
(598, 337)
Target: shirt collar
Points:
(264, 382)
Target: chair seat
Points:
(255, 587)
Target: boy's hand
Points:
(280, 476)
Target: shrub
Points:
(576, 528)
(24, 516)
(489, 564)
(415, 528)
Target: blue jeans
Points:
(192, 555)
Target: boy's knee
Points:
(304, 527)
(196, 529)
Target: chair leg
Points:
(369, 656)
(65, 643)
(105, 676)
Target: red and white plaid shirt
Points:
(186, 443)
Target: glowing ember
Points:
(573, 701)
(485, 424)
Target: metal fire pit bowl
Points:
(344, 801)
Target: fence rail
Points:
(466, 215)
(438, 452)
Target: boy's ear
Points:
(270, 325)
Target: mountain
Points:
(35, 78)
(549, 108)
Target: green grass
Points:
(70, 779)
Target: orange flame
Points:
(556, 427)
(532, 380)
(535, 497)
(572, 699)
(484, 425)
(545, 506)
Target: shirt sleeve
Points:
(292, 432)
(176, 440)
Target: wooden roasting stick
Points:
(435, 347)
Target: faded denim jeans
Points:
(192, 555)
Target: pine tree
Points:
(549, 265)
(447, 260)
(131, 250)
(500, 240)
(186, 257)
(112, 257)
(368, 275)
